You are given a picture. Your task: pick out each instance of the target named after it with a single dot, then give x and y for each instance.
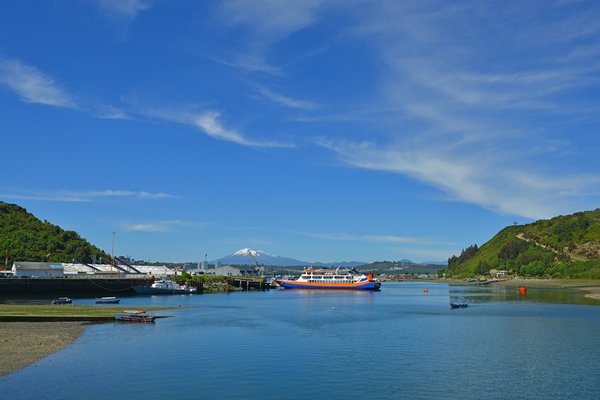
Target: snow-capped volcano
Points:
(247, 256)
(251, 253)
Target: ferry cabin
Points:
(321, 277)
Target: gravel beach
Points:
(23, 343)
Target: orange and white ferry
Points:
(331, 279)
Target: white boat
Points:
(108, 300)
(165, 286)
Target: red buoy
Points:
(522, 290)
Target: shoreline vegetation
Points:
(29, 333)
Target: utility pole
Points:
(113, 252)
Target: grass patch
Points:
(67, 310)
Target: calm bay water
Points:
(290, 344)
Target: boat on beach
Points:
(107, 300)
(331, 279)
(135, 316)
(165, 286)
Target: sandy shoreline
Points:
(23, 343)
(590, 286)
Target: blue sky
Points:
(319, 130)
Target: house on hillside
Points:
(22, 269)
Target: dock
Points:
(250, 283)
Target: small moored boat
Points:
(62, 300)
(135, 316)
(454, 305)
(165, 286)
(108, 300)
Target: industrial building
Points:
(21, 269)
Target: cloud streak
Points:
(123, 8)
(473, 178)
(265, 23)
(31, 85)
(209, 122)
(285, 101)
(162, 226)
(86, 196)
(481, 132)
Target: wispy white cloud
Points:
(146, 228)
(84, 196)
(424, 254)
(479, 177)
(475, 123)
(163, 226)
(124, 8)
(247, 62)
(363, 238)
(209, 122)
(273, 18)
(284, 100)
(108, 111)
(351, 237)
(266, 22)
(31, 85)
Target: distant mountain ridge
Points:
(567, 246)
(402, 267)
(248, 256)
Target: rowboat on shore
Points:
(135, 316)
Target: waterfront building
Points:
(226, 270)
(22, 269)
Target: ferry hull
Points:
(334, 286)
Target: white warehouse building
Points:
(22, 269)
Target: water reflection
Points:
(482, 294)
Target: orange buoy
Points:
(425, 290)
(522, 290)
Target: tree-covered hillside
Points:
(565, 246)
(23, 237)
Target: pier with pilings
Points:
(249, 283)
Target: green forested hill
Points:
(562, 247)
(23, 237)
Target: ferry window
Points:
(317, 277)
(339, 277)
